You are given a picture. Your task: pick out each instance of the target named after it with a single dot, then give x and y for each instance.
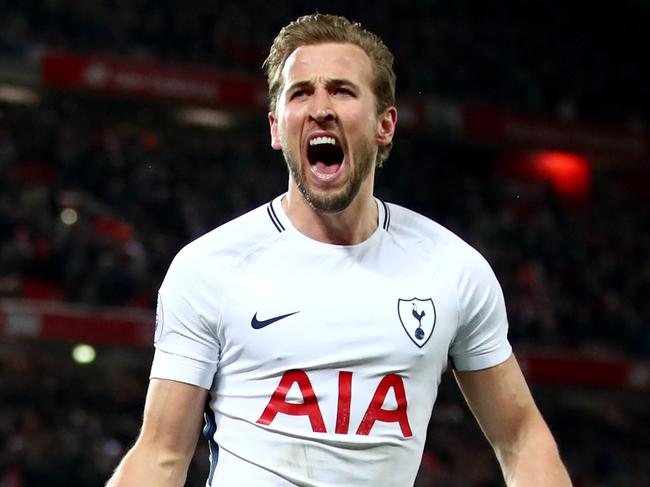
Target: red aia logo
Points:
(310, 408)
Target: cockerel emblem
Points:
(418, 317)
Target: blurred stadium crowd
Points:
(530, 55)
(94, 206)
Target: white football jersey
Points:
(323, 361)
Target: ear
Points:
(275, 132)
(386, 123)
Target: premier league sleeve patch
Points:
(160, 317)
(418, 317)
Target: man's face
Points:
(326, 123)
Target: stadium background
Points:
(128, 128)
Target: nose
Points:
(321, 109)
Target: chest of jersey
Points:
(344, 328)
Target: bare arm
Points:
(501, 402)
(170, 429)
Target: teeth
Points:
(322, 140)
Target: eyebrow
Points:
(331, 82)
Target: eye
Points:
(298, 94)
(341, 90)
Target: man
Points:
(316, 327)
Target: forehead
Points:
(328, 60)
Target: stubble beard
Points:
(332, 201)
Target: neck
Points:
(348, 227)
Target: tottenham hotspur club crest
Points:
(418, 317)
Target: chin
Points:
(333, 201)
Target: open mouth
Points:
(325, 156)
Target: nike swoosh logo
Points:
(257, 324)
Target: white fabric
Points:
(354, 312)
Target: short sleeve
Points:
(187, 347)
(481, 339)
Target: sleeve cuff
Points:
(182, 369)
(483, 361)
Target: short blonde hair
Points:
(321, 28)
